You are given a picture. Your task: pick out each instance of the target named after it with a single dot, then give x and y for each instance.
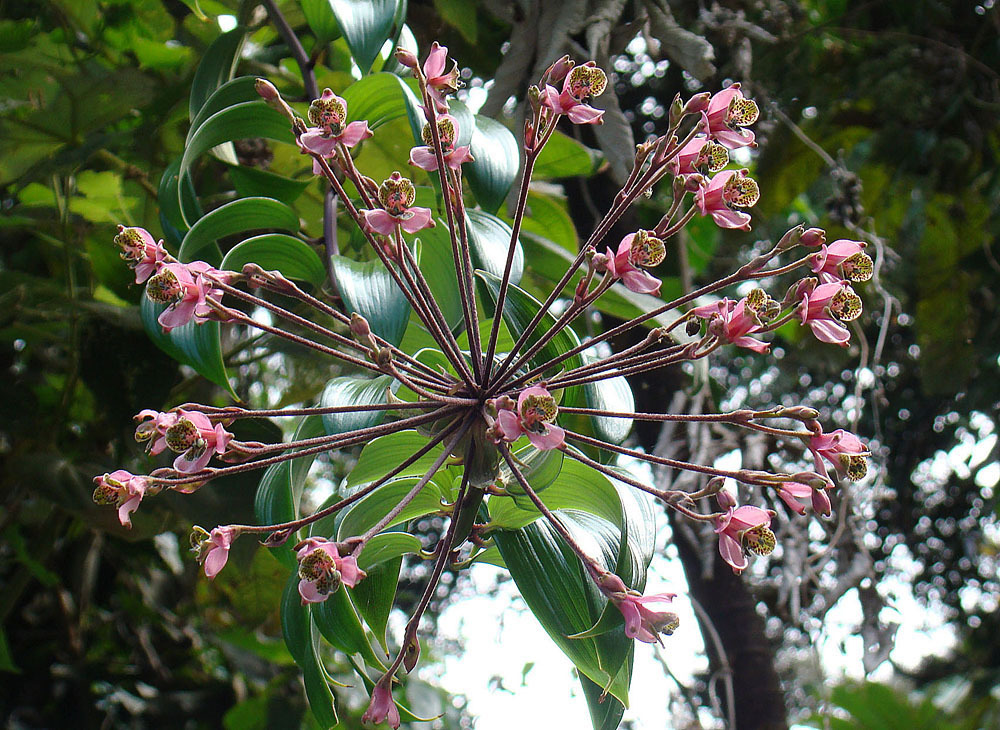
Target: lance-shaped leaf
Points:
(541, 467)
(277, 498)
(348, 390)
(368, 289)
(374, 596)
(301, 639)
(289, 255)
(563, 156)
(489, 241)
(364, 514)
(197, 345)
(494, 167)
(216, 68)
(378, 99)
(384, 453)
(238, 216)
(231, 92)
(338, 622)
(366, 27)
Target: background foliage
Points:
(879, 123)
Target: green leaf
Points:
(548, 217)
(562, 596)
(374, 596)
(384, 453)
(611, 394)
(518, 310)
(387, 546)
(577, 487)
(217, 66)
(366, 513)
(228, 94)
(319, 16)
(460, 15)
(289, 255)
(366, 27)
(348, 390)
(438, 267)
(540, 467)
(605, 711)
(247, 119)
(338, 622)
(197, 345)
(301, 639)
(489, 242)
(368, 289)
(277, 498)
(253, 182)
(563, 156)
(378, 98)
(172, 195)
(496, 161)
(247, 214)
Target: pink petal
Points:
(177, 315)
(309, 594)
(826, 330)
(821, 502)
(379, 221)
(350, 573)
(424, 158)
(317, 142)
(750, 516)
(436, 60)
(420, 220)
(216, 560)
(458, 157)
(726, 218)
(187, 466)
(128, 507)
(510, 425)
(751, 344)
(585, 114)
(732, 553)
(734, 140)
(641, 282)
(553, 438)
(353, 133)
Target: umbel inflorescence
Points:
(495, 405)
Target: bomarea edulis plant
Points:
(504, 422)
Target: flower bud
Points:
(724, 498)
(406, 58)
(558, 70)
(813, 237)
(359, 326)
(266, 90)
(697, 103)
(676, 112)
(411, 654)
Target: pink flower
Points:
(744, 529)
(731, 322)
(535, 412)
(382, 707)
(439, 82)
(845, 452)
(193, 436)
(140, 251)
(842, 259)
(152, 429)
(186, 289)
(700, 155)
(826, 307)
(728, 113)
(725, 192)
(641, 623)
(328, 114)
(792, 492)
(123, 489)
(639, 249)
(396, 195)
(580, 83)
(212, 549)
(454, 157)
(322, 570)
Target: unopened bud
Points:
(558, 70)
(359, 326)
(692, 327)
(534, 97)
(411, 654)
(406, 58)
(694, 182)
(697, 103)
(821, 502)
(383, 356)
(600, 263)
(726, 500)
(267, 90)
(801, 413)
(791, 238)
(813, 237)
(676, 111)
(529, 133)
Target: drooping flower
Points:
(440, 83)
(724, 193)
(826, 307)
(741, 530)
(396, 195)
(636, 252)
(792, 494)
(123, 489)
(581, 83)
(382, 707)
(152, 429)
(845, 452)
(328, 114)
(842, 259)
(193, 436)
(641, 623)
(186, 289)
(454, 157)
(700, 155)
(140, 251)
(322, 570)
(534, 417)
(212, 549)
(729, 112)
(732, 321)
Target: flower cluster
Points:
(471, 398)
